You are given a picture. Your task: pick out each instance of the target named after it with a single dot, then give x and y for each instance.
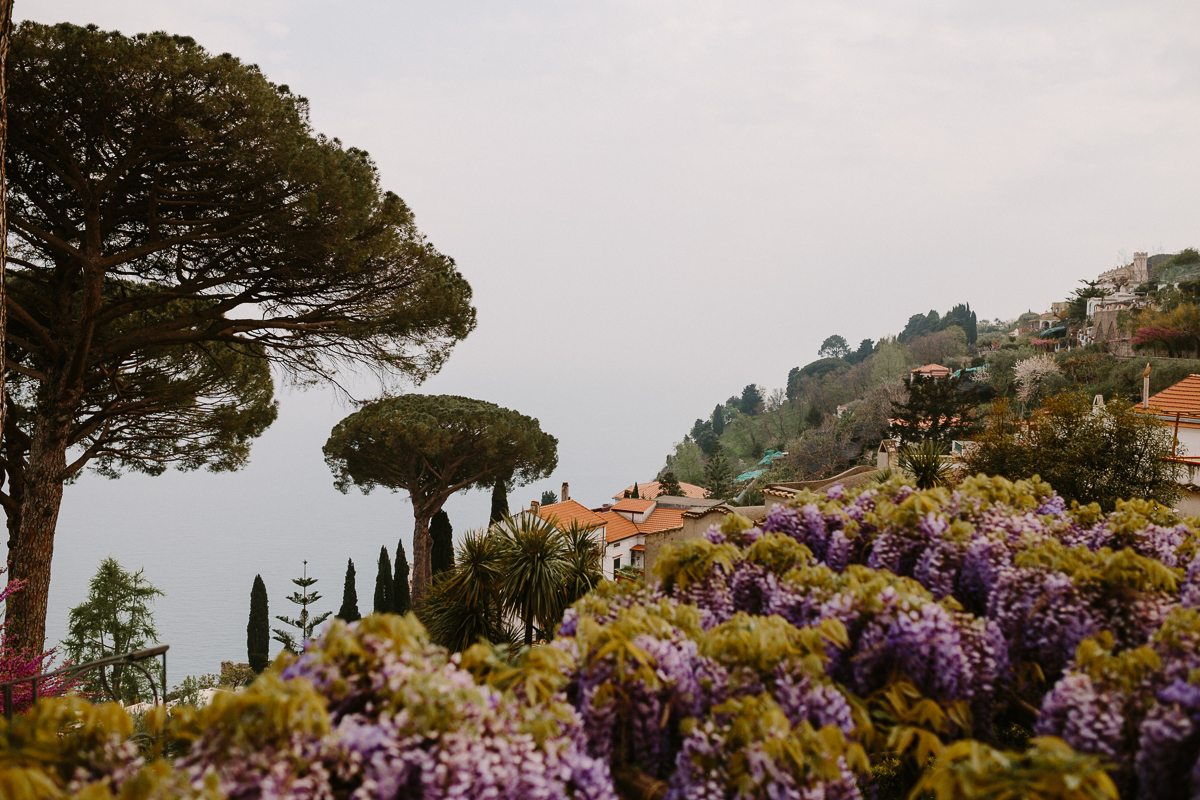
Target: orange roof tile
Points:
(568, 511)
(638, 548)
(662, 519)
(1183, 397)
(651, 490)
(931, 369)
(617, 527)
(630, 504)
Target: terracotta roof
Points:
(617, 527)
(662, 519)
(931, 369)
(630, 504)
(651, 490)
(569, 511)
(697, 513)
(638, 548)
(1183, 397)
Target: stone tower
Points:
(1141, 272)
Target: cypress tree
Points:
(401, 594)
(635, 495)
(384, 583)
(258, 631)
(499, 502)
(441, 556)
(718, 419)
(349, 609)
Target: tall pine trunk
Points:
(38, 518)
(6, 7)
(422, 565)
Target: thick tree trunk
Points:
(34, 547)
(6, 7)
(422, 566)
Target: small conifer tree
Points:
(635, 494)
(305, 622)
(258, 631)
(349, 609)
(717, 474)
(718, 419)
(402, 595)
(549, 498)
(442, 553)
(384, 582)
(499, 502)
(668, 485)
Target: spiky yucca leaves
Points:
(926, 463)
(1048, 770)
(535, 563)
(585, 554)
(465, 604)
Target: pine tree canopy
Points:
(176, 227)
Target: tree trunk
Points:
(6, 7)
(529, 631)
(422, 566)
(34, 548)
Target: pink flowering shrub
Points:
(16, 664)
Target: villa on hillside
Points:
(929, 371)
(1179, 406)
(621, 528)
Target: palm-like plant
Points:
(585, 556)
(926, 463)
(464, 605)
(535, 560)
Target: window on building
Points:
(616, 564)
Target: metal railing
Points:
(76, 670)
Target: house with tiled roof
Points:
(1179, 407)
(621, 528)
(651, 490)
(930, 371)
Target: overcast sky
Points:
(658, 203)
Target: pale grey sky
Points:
(658, 203)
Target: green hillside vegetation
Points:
(801, 419)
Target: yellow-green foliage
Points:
(266, 714)
(1104, 566)
(689, 562)
(757, 726)
(763, 643)
(900, 724)
(1048, 770)
(1126, 670)
(778, 553)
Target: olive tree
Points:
(433, 446)
(176, 230)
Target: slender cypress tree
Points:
(718, 419)
(384, 603)
(402, 596)
(349, 609)
(258, 631)
(442, 554)
(499, 502)
(635, 491)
